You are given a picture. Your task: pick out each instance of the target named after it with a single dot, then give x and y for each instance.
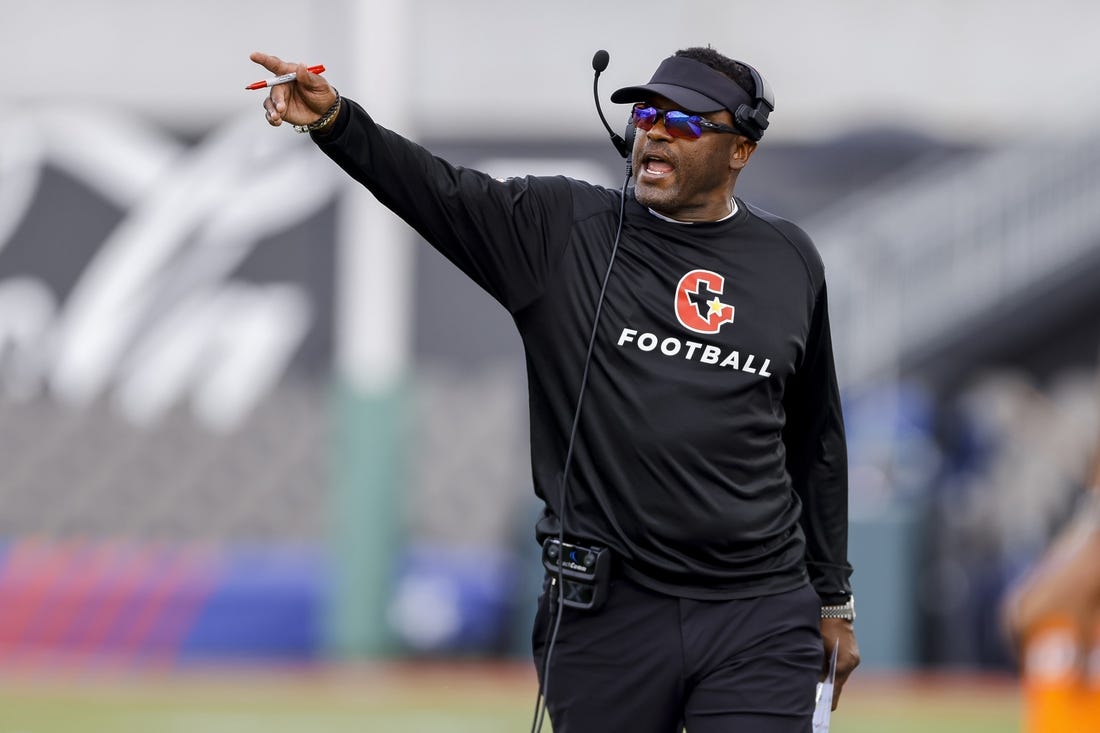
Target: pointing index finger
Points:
(274, 64)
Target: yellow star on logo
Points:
(715, 306)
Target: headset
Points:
(750, 119)
(754, 120)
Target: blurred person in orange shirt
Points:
(1053, 618)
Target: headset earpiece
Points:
(754, 120)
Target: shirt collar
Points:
(733, 211)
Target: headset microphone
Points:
(599, 64)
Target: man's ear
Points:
(741, 152)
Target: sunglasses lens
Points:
(679, 124)
(644, 117)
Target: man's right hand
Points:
(300, 102)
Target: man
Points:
(705, 468)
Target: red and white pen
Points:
(285, 78)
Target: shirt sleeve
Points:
(505, 234)
(817, 459)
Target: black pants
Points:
(650, 663)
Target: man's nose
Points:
(658, 131)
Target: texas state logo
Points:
(698, 305)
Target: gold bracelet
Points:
(324, 119)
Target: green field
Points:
(464, 698)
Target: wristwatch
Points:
(846, 610)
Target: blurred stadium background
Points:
(251, 430)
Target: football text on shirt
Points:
(695, 351)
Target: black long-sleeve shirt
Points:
(710, 453)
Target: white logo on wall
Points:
(155, 318)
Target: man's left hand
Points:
(834, 632)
